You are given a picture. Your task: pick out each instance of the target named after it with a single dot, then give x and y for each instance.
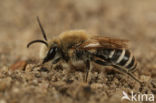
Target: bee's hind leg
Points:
(123, 70)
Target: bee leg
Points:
(102, 63)
(124, 70)
(120, 69)
(87, 70)
(131, 75)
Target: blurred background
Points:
(132, 20)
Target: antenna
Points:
(37, 41)
(42, 30)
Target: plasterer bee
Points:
(78, 46)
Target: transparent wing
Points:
(103, 42)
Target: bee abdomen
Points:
(122, 57)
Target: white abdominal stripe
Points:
(123, 58)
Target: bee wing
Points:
(103, 42)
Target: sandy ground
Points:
(21, 82)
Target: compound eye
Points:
(51, 54)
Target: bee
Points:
(78, 46)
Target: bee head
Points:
(52, 49)
(52, 53)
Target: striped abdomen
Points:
(122, 57)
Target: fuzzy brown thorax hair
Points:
(70, 38)
(65, 41)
